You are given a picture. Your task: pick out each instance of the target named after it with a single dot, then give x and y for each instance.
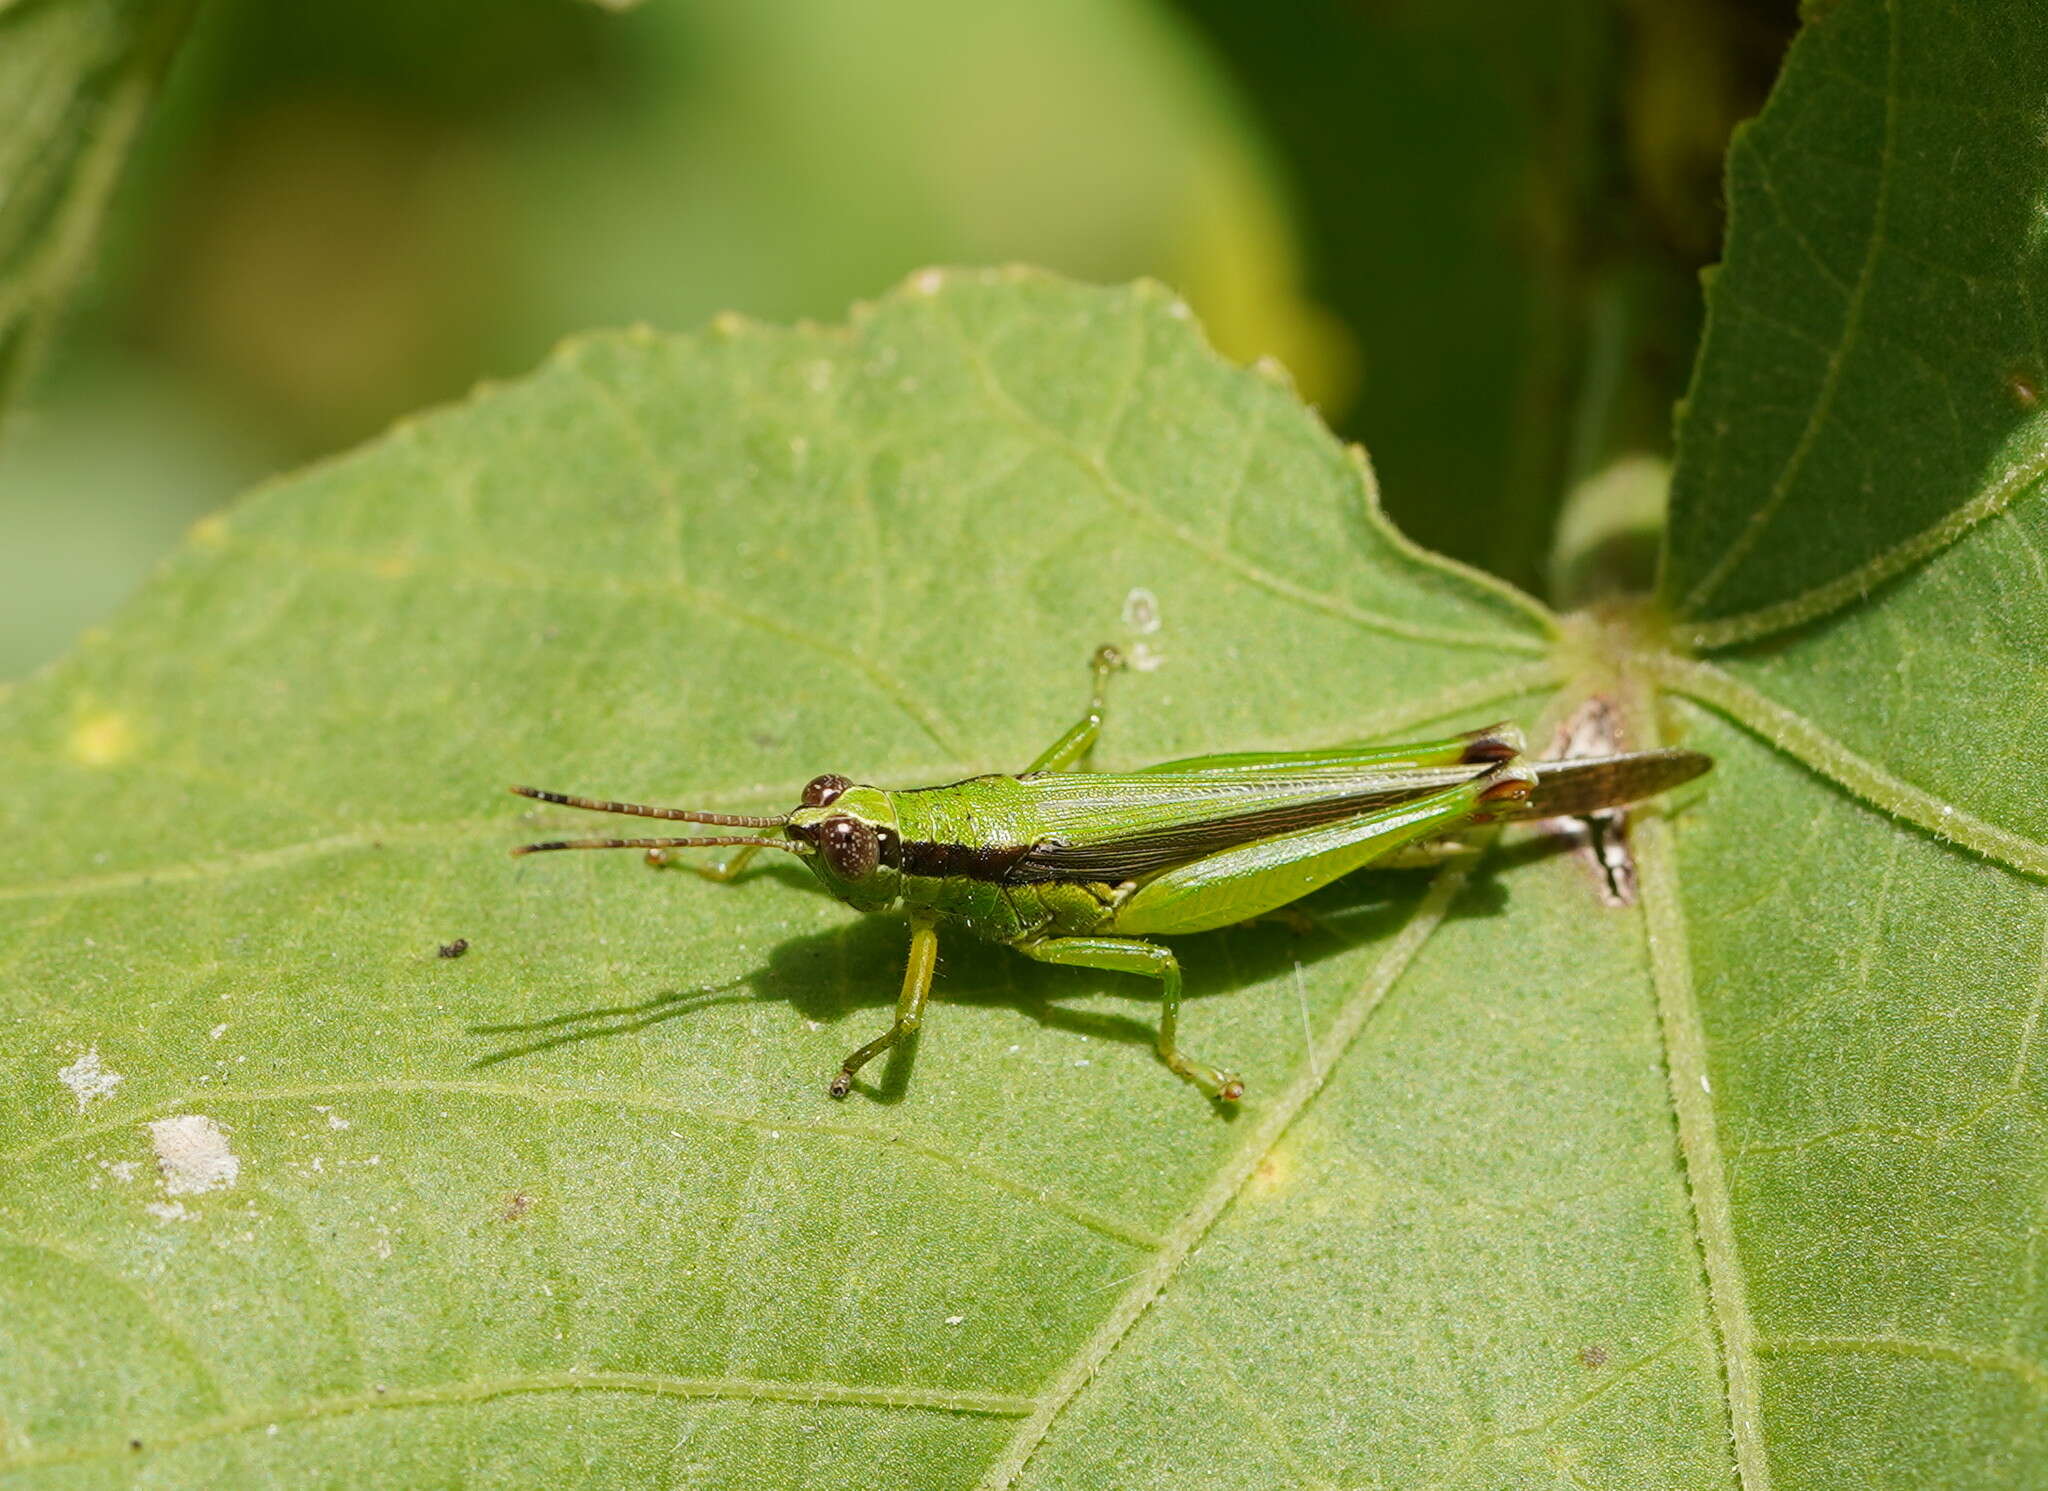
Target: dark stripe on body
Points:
(938, 861)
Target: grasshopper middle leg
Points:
(1130, 955)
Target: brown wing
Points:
(1571, 789)
(1563, 789)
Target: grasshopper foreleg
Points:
(917, 988)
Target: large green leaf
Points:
(1857, 539)
(1741, 1186)
(1876, 354)
(700, 569)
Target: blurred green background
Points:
(1471, 229)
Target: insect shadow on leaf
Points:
(828, 977)
(603, 1020)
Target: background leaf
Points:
(1876, 334)
(1509, 206)
(1856, 542)
(349, 209)
(75, 79)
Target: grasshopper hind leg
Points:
(1131, 955)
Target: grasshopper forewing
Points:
(1084, 868)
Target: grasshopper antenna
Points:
(711, 842)
(642, 810)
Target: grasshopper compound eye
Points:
(850, 847)
(823, 791)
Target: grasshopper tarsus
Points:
(1213, 1083)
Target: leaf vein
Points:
(1831, 380)
(1954, 1353)
(2011, 484)
(175, 1342)
(708, 603)
(1766, 175)
(1195, 1223)
(1699, 1145)
(481, 1390)
(1800, 739)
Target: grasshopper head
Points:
(847, 835)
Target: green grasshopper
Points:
(1081, 868)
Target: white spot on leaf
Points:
(1141, 611)
(89, 1080)
(192, 1154)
